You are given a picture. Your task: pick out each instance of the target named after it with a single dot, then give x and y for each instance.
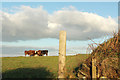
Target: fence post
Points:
(93, 69)
(62, 54)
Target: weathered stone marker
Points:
(94, 69)
(62, 54)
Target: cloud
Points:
(29, 23)
(81, 25)
(36, 23)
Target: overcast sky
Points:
(28, 25)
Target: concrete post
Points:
(62, 54)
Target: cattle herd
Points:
(36, 52)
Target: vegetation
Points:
(38, 67)
(107, 58)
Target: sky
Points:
(36, 25)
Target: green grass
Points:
(38, 67)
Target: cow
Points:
(42, 52)
(30, 52)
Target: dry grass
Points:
(108, 52)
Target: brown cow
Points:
(30, 52)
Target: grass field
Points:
(38, 67)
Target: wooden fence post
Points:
(62, 54)
(94, 69)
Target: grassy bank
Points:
(38, 67)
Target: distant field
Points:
(38, 67)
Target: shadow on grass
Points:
(28, 73)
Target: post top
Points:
(62, 31)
